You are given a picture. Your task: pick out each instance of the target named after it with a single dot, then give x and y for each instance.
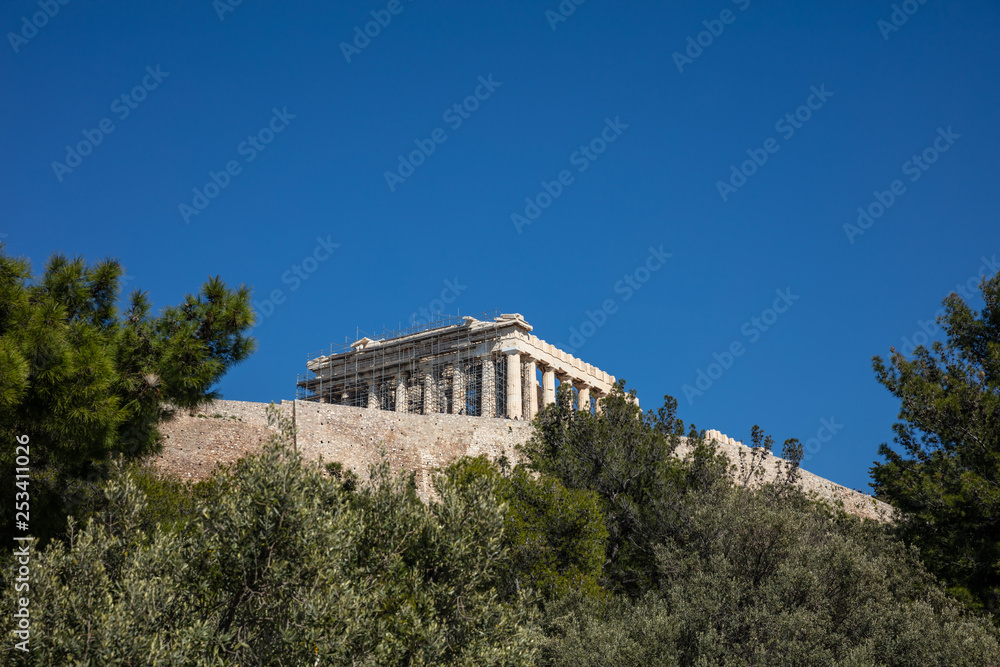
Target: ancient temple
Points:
(485, 367)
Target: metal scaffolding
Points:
(452, 365)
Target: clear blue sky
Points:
(631, 140)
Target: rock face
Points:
(225, 431)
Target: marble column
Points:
(457, 390)
(401, 398)
(548, 386)
(430, 404)
(514, 386)
(584, 398)
(529, 393)
(488, 397)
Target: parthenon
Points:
(478, 367)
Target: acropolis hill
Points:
(426, 397)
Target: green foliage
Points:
(280, 564)
(347, 477)
(946, 481)
(758, 577)
(617, 632)
(710, 573)
(556, 537)
(651, 630)
(753, 460)
(170, 502)
(87, 383)
(608, 547)
(763, 577)
(626, 460)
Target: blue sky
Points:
(282, 147)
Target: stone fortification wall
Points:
(219, 433)
(853, 502)
(224, 431)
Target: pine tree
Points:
(946, 482)
(86, 383)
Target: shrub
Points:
(281, 565)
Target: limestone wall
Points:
(220, 433)
(412, 442)
(224, 431)
(859, 504)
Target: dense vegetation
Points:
(89, 383)
(611, 551)
(609, 545)
(947, 481)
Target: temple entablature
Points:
(486, 366)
